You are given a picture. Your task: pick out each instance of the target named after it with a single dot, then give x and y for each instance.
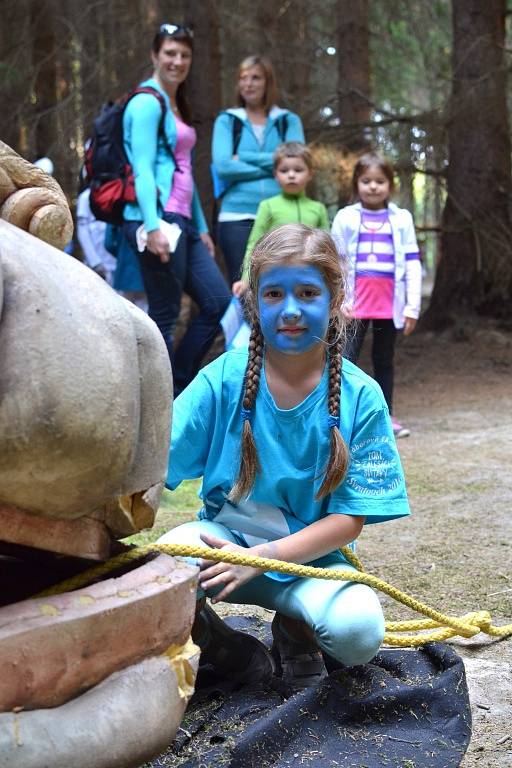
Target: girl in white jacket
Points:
(384, 285)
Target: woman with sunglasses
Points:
(160, 151)
(246, 170)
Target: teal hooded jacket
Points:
(249, 178)
(152, 164)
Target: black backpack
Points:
(107, 167)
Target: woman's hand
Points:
(159, 245)
(239, 288)
(231, 576)
(205, 237)
(409, 325)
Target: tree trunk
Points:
(15, 72)
(475, 272)
(205, 91)
(353, 72)
(42, 20)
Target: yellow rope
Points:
(443, 625)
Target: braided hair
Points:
(338, 457)
(295, 243)
(249, 463)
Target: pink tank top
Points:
(180, 199)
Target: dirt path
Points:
(455, 552)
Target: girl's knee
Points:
(187, 533)
(353, 634)
(190, 533)
(356, 642)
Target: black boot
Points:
(299, 661)
(236, 655)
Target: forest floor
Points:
(454, 392)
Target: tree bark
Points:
(475, 271)
(353, 72)
(42, 21)
(205, 91)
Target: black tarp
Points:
(406, 709)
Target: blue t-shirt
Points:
(293, 447)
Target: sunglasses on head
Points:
(171, 30)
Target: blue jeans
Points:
(193, 270)
(232, 237)
(346, 617)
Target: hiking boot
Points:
(398, 429)
(299, 662)
(236, 655)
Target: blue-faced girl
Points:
(297, 454)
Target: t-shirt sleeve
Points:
(374, 485)
(190, 432)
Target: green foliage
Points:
(410, 48)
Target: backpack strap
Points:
(237, 128)
(163, 106)
(282, 126)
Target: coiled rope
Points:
(443, 625)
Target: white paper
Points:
(235, 329)
(171, 231)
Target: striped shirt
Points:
(375, 267)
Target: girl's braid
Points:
(335, 343)
(253, 370)
(249, 463)
(338, 458)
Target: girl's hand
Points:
(409, 325)
(239, 288)
(231, 576)
(205, 237)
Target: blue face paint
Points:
(294, 307)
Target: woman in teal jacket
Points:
(161, 157)
(248, 171)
